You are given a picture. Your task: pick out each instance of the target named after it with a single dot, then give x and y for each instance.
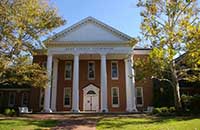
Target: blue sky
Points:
(120, 14)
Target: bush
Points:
(164, 111)
(191, 104)
(9, 112)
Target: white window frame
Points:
(22, 99)
(9, 104)
(115, 105)
(69, 78)
(115, 78)
(70, 98)
(141, 88)
(88, 70)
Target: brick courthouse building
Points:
(90, 69)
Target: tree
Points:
(171, 28)
(21, 73)
(23, 24)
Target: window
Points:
(114, 69)
(44, 64)
(139, 96)
(91, 70)
(67, 97)
(41, 98)
(11, 101)
(68, 70)
(115, 97)
(25, 99)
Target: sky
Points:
(123, 15)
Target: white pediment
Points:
(90, 30)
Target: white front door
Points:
(91, 98)
(91, 103)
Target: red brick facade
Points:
(84, 81)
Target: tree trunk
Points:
(177, 98)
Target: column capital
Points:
(76, 54)
(103, 55)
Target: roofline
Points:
(66, 30)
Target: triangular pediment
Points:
(90, 30)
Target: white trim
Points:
(9, 104)
(115, 78)
(141, 88)
(91, 20)
(115, 105)
(70, 98)
(85, 91)
(88, 70)
(70, 78)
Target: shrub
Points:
(164, 111)
(9, 112)
(191, 104)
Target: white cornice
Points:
(95, 21)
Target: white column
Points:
(75, 99)
(130, 85)
(48, 88)
(104, 99)
(54, 85)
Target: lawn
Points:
(107, 123)
(26, 124)
(153, 123)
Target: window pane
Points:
(115, 96)
(139, 96)
(24, 99)
(139, 100)
(114, 70)
(12, 99)
(67, 96)
(91, 70)
(115, 100)
(139, 93)
(68, 70)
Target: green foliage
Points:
(191, 104)
(9, 112)
(171, 28)
(23, 73)
(23, 22)
(164, 111)
(162, 94)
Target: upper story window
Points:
(25, 99)
(67, 97)
(68, 70)
(114, 70)
(91, 70)
(115, 97)
(139, 96)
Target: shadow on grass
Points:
(120, 122)
(36, 124)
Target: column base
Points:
(47, 110)
(75, 111)
(131, 110)
(104, 110)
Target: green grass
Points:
(131, 123)
(22, 124)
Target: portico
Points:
(111, 58)
(103, 54)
